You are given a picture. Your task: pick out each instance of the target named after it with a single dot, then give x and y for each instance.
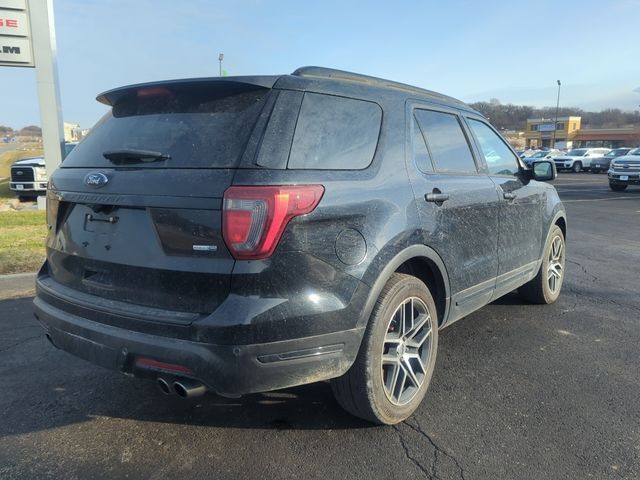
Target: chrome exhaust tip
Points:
(186, 388)
(164, 386)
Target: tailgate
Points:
(162, 251)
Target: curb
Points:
(17, 285)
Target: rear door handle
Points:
(509, 196)
(436, 197)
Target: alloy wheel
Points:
(406, 351)
(555, 270)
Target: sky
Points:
(472, 50)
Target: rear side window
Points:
(198, 127)
(335, 133)
(447, 143)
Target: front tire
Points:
(545, 287)
(577, 167)
(397, 356)
(617, 187)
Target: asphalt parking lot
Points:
(520, 391)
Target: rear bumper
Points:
(225, 369)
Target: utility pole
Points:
(220, 58)
(28, 38)
(555, 123)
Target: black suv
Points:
(245, 234)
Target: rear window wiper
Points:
(134, 156)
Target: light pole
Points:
(555, 123)
(220, 58)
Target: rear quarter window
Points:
(335, 133)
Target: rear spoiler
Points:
(111, 97)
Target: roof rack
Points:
(330, 73)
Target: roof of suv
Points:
(110, 97)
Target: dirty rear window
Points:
(335, 133)
(204, 127)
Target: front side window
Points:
(446, 142)
(420, 152)
(499, 157)
(335, 133)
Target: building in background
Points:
(607, 137)
(72, 132)
(570, 134)
(540, 132)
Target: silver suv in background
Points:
(625, 171)
(579, 159)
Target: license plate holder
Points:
(19, 187)
(624, 177)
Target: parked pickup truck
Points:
(29, 175)
(625, 171)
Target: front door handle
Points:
(436, 197)
(509, 196)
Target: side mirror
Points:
(544, 171)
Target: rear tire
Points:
(391, 373)
(577, 167)
(617, 187)
(545, 287)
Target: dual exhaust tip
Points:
(184, 387)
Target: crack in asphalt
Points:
(584, 269)
(597, 300)
(413, 460)
(433, 474)
(418, 428)
(19, 343)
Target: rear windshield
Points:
(198, 127)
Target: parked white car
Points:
(579, 159)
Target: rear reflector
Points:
(156, 365)
(254, 217)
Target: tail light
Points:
(254, 217)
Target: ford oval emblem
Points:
(96, 179)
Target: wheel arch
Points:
(425, 264)
(561, 221)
